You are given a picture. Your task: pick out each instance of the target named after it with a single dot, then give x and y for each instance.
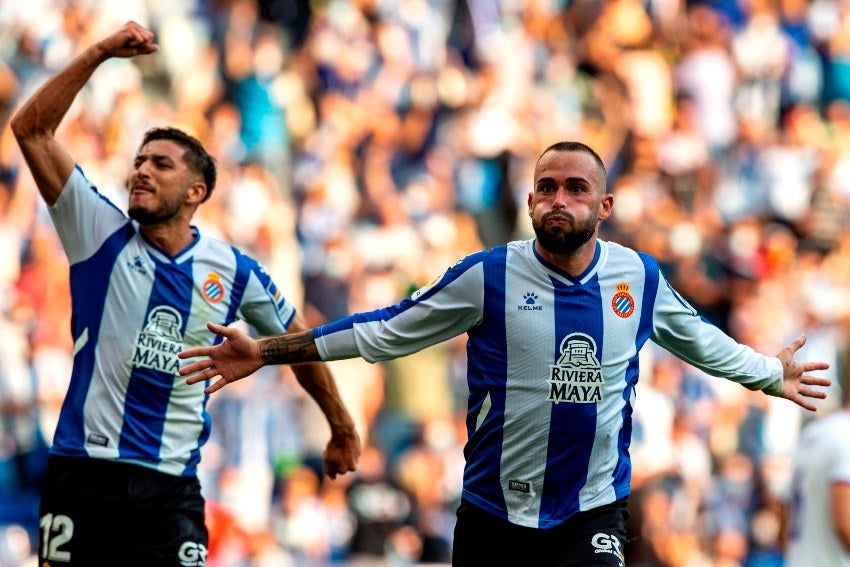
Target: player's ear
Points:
(197, 192)
(607, 207)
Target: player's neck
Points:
(170, 238)
(574, 263)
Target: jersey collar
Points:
(582, 278)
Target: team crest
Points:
(623, 303)
(213, 288)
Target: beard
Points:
(166, 211)
(563, 242)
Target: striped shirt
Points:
(552, 368)
(134, 307)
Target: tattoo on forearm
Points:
(289, 349)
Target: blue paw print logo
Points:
(530, 297)
(137, 265)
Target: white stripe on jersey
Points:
(552, 365)
(134, 308)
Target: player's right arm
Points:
(447, 307)
(35, 123)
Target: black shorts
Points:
(97, 512)
(593, 538)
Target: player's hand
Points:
(342, 452)
(234, 358)
(131, 40)
(796, 385)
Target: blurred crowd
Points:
(366, 145)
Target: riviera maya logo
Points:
(577, 375)
(160, 341)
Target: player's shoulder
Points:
(215, 250)
(616, 249)
(619, 255)
(485, 255)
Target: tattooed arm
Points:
(239, 355)
(289, 349)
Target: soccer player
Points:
(819, 511)
(122, 487)
(554, 328)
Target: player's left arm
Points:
(343, 449)
(680, 329)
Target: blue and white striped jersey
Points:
(134, 308)
(552, 368)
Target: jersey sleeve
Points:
(83, 217)
(263, 305)
(435, 313)
(680, 329)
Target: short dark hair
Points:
(570, 146)
(195, 155)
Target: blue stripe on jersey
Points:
(149, 390)
(387, 313)
(240, 282)
(487, 376)
(245, 266)
(195, 454)
(650, 291)
(237, 292)
(622, 472)
(346, 323)
(89, 299)
(573, 425)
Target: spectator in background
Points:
(819, 509)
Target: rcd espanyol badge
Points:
(623, 303)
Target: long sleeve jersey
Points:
(552, 364)
(134, 307)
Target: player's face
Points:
(159, 183)
(568, 200)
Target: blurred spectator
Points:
(380, 507)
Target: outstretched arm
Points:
(678, 327)
(796, 385)
(239, 355)
(35, 124)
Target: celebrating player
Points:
(554, 326)
(122, 487)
